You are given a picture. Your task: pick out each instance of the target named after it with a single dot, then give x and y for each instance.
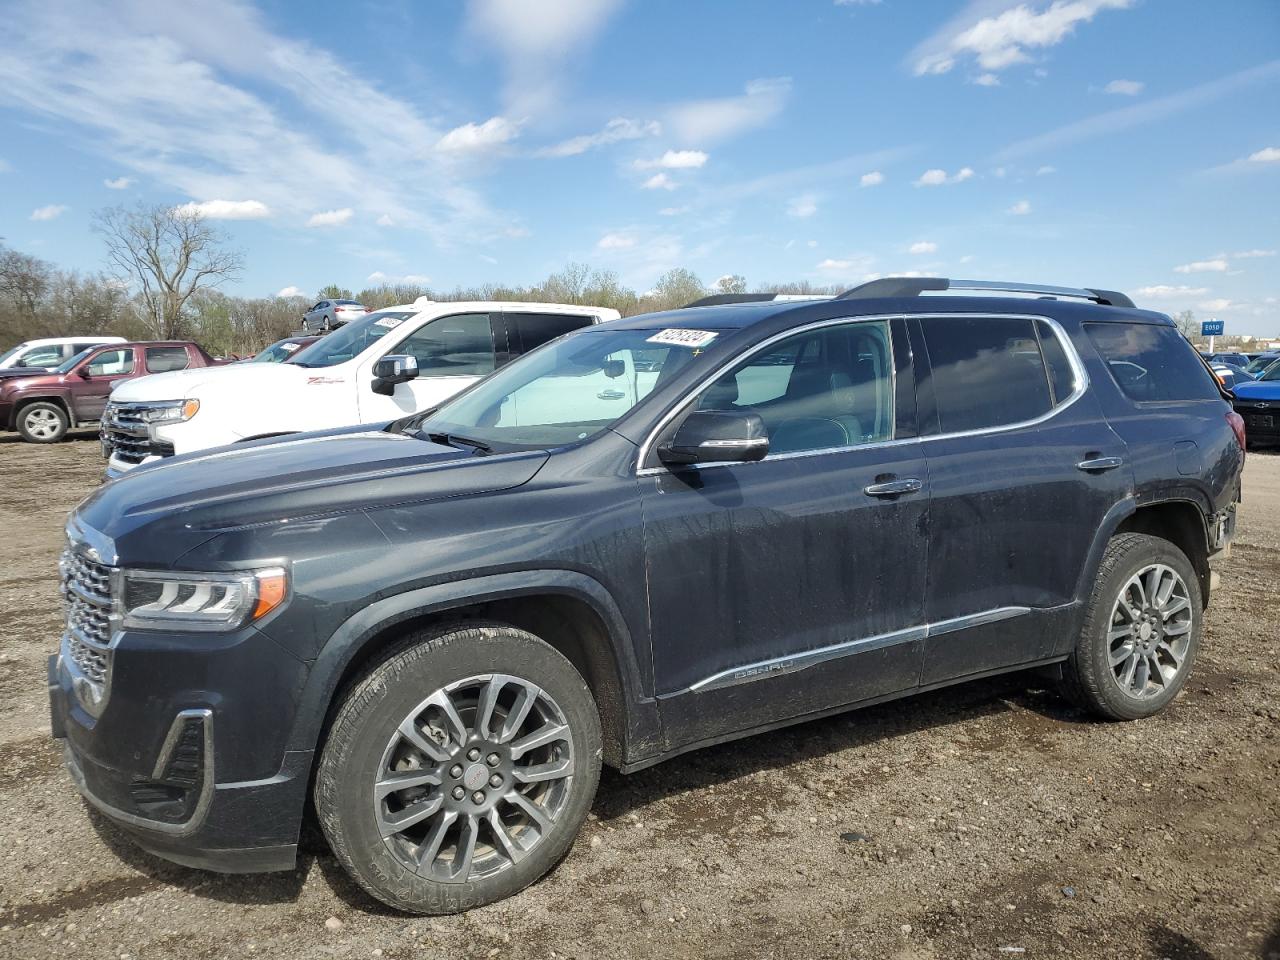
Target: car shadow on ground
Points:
(1032, 710)
(78, 435)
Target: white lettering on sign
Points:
(683, 338)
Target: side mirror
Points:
(716, 436)
(84, 373)
(393, 369)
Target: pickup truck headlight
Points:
(169, 411)
(200, 601)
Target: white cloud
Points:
(805, 205)
(1125, 88)
(675, 160)
(923, 246)
(226, 209)
(673, 211)
(1021, 208)
(837, 265)
(385, 221)
(330, 218)
(415, 279)
(536, 41)
(872, 179)
(811, 244)
(659, 181)
(1001, 40)
(471, 137)
(119, 183)
(615, 131)
(706, 121)
(1203, 266)
(1046, 170)
(1253, 254)
(290, 292)
(1266, 155)
(856, 3)
(615, 241)
(937, 178)
(999, 173)
(50, 212)
(1163, 291)
(987, 80)
(1214, 305)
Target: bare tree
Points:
(731, 283)
(167, 254)
(24, 279)
(1187, 324)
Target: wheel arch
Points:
(572, 612)
(22, 403)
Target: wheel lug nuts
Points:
(495, 781)
(458, 793)
(478, 796)
(456, 771)
(493, 760)
(473, 754)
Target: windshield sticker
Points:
(289, 347)
(389, 322)
(693, 339)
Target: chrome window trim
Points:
(1069, 349)
(792, 663)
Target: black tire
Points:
(366, 721)
(326, 325)
(1088, 676)
(43, 422)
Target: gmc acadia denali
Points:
(642, 538)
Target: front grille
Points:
(124, 430)
(86, 591)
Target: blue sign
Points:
(1212, 328)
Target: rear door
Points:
(101, 371)
(1023, 468)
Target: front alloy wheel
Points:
(474, 778)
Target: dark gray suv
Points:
(642, 538)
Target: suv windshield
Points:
(9, 354)
(569, 390)
(66, 366)
(350, 340)
(1272, 373)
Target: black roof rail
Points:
(914, 286)
(719, 299)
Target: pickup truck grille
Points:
(87, 594)
(125, 434)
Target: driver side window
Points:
(824, 389)
(111, 363)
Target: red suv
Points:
(44, 408)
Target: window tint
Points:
(814, 391)
(986, 371)
(1062, 379)
(531, 330)
(77, 347)
(457, 346)
(111, 363)
(1152, 362)
(163, 359)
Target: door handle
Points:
(1099, 464)
(894, 488)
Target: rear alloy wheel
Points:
(444, 802)
(1141, 631)
(42, 423)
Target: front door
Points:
(91, 382)
(453, 352)
(794, 584)
(1015, 503)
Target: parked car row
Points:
(650, 535)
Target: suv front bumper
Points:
(165, 762)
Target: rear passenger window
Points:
(164, 359)
(986, 371)
(532, 330)
(1152, 362)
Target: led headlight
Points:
(168, 411)
(200, 601)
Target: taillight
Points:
(1237, 427)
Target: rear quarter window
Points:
(1152, 363)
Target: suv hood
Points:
(156, 513)
(8, 373)
(1257, 390)
(180, 384)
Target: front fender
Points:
(352, 639)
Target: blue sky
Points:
(1129, 144)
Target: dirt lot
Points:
(989, 820)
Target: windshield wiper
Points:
(453, 440)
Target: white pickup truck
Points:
(424, 352)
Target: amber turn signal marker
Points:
(272, 587)
(189, 408)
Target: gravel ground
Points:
(989, 820)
